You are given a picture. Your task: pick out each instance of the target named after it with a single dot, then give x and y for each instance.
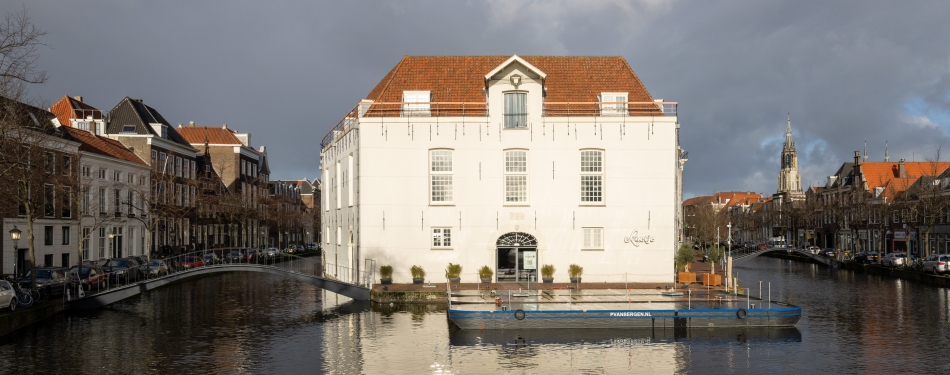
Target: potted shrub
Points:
(386, 274)
(485, 273)
(575, 272)
(453, 272)
(547, 273)
(418, 274)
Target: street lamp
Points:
(15, 236)
(112, 240)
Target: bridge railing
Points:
(112, 276)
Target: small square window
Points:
(442, 238)
(593, 238)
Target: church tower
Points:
(789, 181)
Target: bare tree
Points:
(19, 53)
(925, 200)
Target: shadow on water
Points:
(709, 336)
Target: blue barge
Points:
(610, 309)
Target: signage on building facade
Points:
(900, 235)
(636, 239)
(530, 260)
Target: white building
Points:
(506, 162)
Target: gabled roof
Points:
(877, 174)
(213, 135)
(68, 108)
(102, 145)
(134, 112)
(462, 78)
(726, 198)
(513, 59)
(264, 166)
(17, 113)
(895, 187)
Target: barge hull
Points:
(534, 319)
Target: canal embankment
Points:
(24, 316)
(877, 269)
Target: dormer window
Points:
(516, 110)
(613, 104)
(416, 103)
(128, 128)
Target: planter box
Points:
(687, 277)
(418, 281)
(486, 280)
(575, 280)
(455, 279)
(547, 280)
(712, 279)
(388, 280)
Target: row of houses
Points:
(85, 183)
(882, 206)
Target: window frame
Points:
(590, 175)
(506, 111)
(442, 240)
(610, 106)
(413, 106)
(588, 234)
(510, 170)
(446, 177)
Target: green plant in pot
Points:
(547, 273)
(418, 274)
(453, 272)
(386, 274)
(485, 273)
(575, 272)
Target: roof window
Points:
(128, 128)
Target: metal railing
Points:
(114, 277)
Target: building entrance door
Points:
(516, 257)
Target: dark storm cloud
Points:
(286, 72)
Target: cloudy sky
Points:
(846, 71)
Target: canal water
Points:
(264, 324)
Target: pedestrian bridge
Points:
(743, 255)
(343, 281)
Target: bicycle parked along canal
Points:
(24, 297)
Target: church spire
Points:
(789, 143)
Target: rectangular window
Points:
(593, 238)
(177, 166)
(613, 104)
(154, 158)
(50, 162)
(416, 103)
(128, 128)
(102, 242)
(48, 235)
(440, 176)
(67, 165)
(86, 200)
(162, 158)
(442, 237)
(339, 235)
(129, 202)
(326, 235)
(516, 176)
(49, 200)
(65, 235)
(102, 201)
(349, 182)
(102, 173)
(67, 202)
(339, 190)
(116, 176)
(48, 260)
(85, 243)
(191, 169)
(117, 201)
(516, 110)
(592, 177)
(86, 171)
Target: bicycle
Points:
(23, 297)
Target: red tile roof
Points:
(462, 78)
(878, 174)
(67, 108)
(102, 145)
(214, 135)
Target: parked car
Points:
(867, 257)
(311, 246)
(828, 252)
(91, 276)
(7, 295)
(50, 281)
(761, 246)
(814, 249)
(211, 258)
(124, 270)
(937, 263)
(253, 254)
(157, 267)
(894, 259)
(272, 252)
(234, 257)
(188, 262)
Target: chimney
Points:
(856, 169)
(857, 157)
(179, 125)
(138, 100)
(901, 169)
(225, 127)
(77, 98)
(191, 123)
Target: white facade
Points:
(396, 187)
(113, 203)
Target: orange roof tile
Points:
(462, 78)
(214, 135)
(877, 174)
(102, 145)
(67, 108)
